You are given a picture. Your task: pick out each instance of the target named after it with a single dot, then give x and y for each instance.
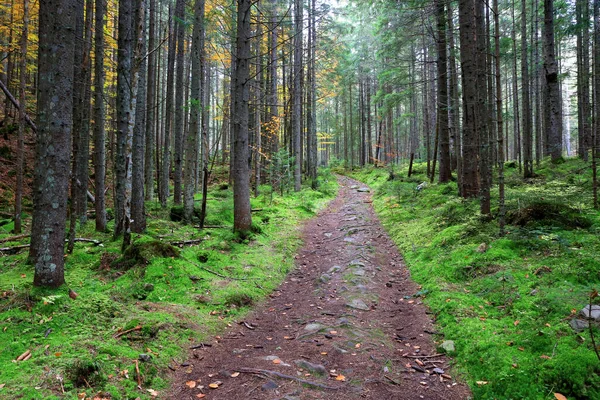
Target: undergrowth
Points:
(505, 301)
(168, 297)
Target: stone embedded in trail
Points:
(356, 263)
(448, 346)
(354, 187)
(359, 272)
(324, 278)
(364, 190)
(358, 304)
(314, 368)
(313, 327)
(334, 269)
(328, 234)
(594, 313)
(270, 385)
(579, 325)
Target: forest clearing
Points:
(299, 199)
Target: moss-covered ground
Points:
(507, 301)
(169, 299)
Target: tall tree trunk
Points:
(500, 120)
(442, 128)
(516, 120)
(297, 95)
(552, 109)
(468, 55)
(166, 161)
(527, 134)
(242, 217)
(22, 121)
(149, 159)
(53, 144)
(196, 99)
(99, 119)
(596, 130)
(179, 97)
(482, 128)
(138, 210)
(312, 97)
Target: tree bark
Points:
(242, 218)
(22, 122)
(442, 81)
(55, 119)
(552, 106)
(99, 119)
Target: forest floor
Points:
(347, 322)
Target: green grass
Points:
(173, 310)
(508, 308)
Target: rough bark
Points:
(552, 106)
(527, 132)
(22, 121)
(179, 97)
(242, 218)
(54, 123)
(297, 96)
(442, 81)
(99, 119)
(150, 105)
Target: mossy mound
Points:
(140, 254)
(549, 214)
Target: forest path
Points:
(345, 320)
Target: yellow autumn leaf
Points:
(340, 378)
(190, 384)
(235, 374)
(560, 396)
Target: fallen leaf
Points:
(235, 374)
(152, 392)
(190, 384)
(545, 357)
(2, 385)
(214, 385)
(560, 396)
(357, 346)
(81, 395)
(521, 348)
(288, 338)
(340, 378)
(481, 383)
(200, 395)
(23, 276)
(323, 353)
(333, 332)
(277, 361)
(58, 354)
(516, 322)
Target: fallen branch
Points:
(118, 335)
(186, 242)
(24, 355)
(84, 240)
(210, 271)
(284, 376)
(431, 356)
(13, 249)
(213, 227)
(139, 376)
(13, 238)
(17, 105)
(200, 346)
(392, 380)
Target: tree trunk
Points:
(527, 134)
(242, 218)
(468, 54)
(179, 97)
(22, 121)
(55, 119)
(150, 105)
(297, 95)
(552, 106)
(442, 128)
(99, 120)
(166, 161)
(138, 210)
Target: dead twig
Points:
(431, 356)
(118, 335)
(139, 376)
(13, 238)
(392, 380)
(284, 376)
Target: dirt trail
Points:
(347, 310)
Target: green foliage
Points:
(170, 292)
(505, 301)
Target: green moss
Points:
(507, 308)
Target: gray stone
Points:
(359, 272)
(448, 346)
(314, 327)
(579, 325)
(358, 304)
(334, 269)
(364, 190)
(145, 357)
(314, 368)
(354, 187)
(270, 385)
(324, 278)
(438, 371)
(595, 312)
(328, 234)
(356, 263)
(349, 239)
(148, 287)
(343, 321)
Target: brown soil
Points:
(312, 339)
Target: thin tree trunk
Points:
(99, 120)
(22, 122)
(179, 97)
(151, 106)
(442, 126)
(527, 134)
(552, 109)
